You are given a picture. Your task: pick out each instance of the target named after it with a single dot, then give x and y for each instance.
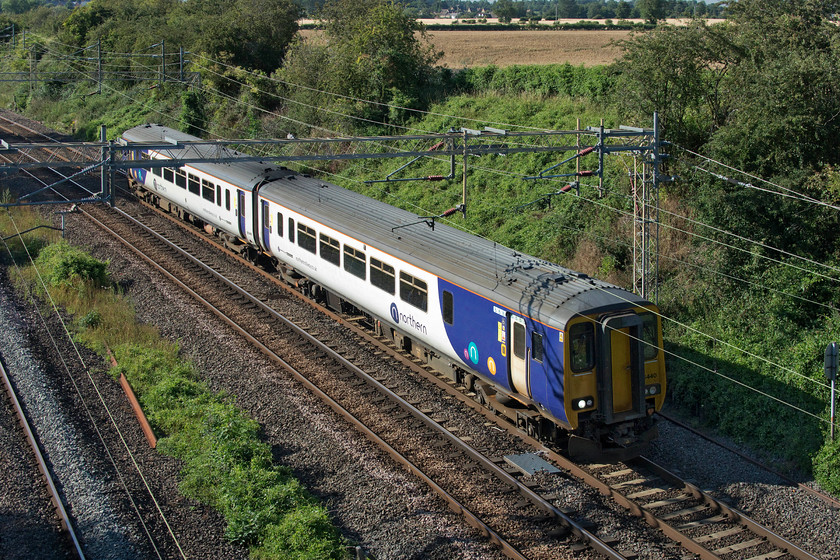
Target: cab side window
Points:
(650, 335)
(582, 347)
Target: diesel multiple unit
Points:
(565, 356)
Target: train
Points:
(566, 357)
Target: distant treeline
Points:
(554, 9)
(506, 9)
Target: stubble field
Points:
(466, 49)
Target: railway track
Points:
(58, 502)
(482, 490)
(118, 513)
(710, 530)
(723, 533)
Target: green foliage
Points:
(651, 10)
(760, 93)
(548, 80)
(225, 463)
(63, 265)
(371, 50)
(29, 245)
(193, 116)
(827, 467)
(505, 10)
(680, 72)
(250, 33)
(90, 320)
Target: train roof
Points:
(545, 291)
(246, 174)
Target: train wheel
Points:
(532, 430)
(469, 382)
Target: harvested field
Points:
(465, 49)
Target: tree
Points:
(567, 9)
(504, 10)
(623, 10)
(761, 93)
(651, 10)
(371, 50)
(681, 73)
(250, 33)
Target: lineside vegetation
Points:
(226, 464)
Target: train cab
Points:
(614, 379)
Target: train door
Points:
(266, 225)
(519, 355)
(240, 206)
(622, 389)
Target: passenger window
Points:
(306, 238)
(279, 224)
(537, 351)
(157, 171)
(168, 174)
(194, 184)
(291, 230)
(582, 347)
(181, 179)
(208, 190)
(382, 275)
(650, 335)
(448, 308)
(330, 250)
(413, 291)
(266, 217)
(354, 262)
(218, 195)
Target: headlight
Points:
(582, 403)
(651, 390)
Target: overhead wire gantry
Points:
(644, 144)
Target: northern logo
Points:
(407, 320)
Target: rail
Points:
(66, 522)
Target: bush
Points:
(546, 80)
(90, 320)
(66, 266)
(827, 467)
